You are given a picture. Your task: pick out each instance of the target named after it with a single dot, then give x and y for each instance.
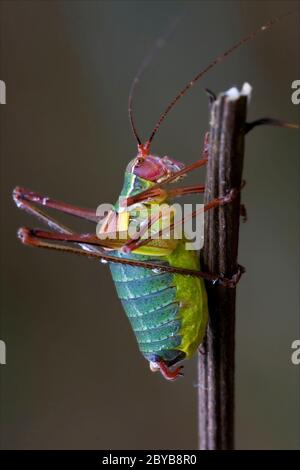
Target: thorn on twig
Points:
(269, 122)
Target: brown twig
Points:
(216, 364)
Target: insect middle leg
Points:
(156, 190)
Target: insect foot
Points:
(232, 194)
(17, 196)
(24, 235)
(232, 282)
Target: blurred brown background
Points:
(74, 377)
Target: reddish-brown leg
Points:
(152, 220)
(138, 241)
(79, 238)
(20, 195)
(144, 195)
(154, 193)
(46, 219)
(41, 215)
(94, 249)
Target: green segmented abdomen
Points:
(149, 300)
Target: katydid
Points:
(159, 282)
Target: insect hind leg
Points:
(21, 196)
(54, 224)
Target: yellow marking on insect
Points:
(123, 221)
(157, 248)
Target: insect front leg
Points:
(155, 190)
(138, 241)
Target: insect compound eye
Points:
(139, 161)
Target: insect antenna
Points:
(159, 44)
(216, 61)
